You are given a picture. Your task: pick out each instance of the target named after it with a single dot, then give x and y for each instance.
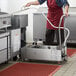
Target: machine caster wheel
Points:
(27, 60)
(60, 62)
(22, 60)
(65, 58)
(6, 62)
(15, 58)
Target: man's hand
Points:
(32, 3)
(66, 10)
(66, 14)
(28, 4)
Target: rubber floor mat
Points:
(30, 69)
(71, 52)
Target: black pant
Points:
(50, 34)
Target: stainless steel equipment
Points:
(5, 52)
(15, 41)
(43, 52)
(10, 45)
(19, 21)
(5, 20)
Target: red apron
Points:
(54, 14)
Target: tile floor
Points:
(68, 69)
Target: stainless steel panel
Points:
(4, 50)
(15, 40)
(3, 56)
(42, 53)
(3, 40)
(9, 53)
(39, 27)
(70, 23)
(19, 21)
(3, 43)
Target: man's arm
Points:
(32, 3)
(35, 3)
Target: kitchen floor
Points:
(67, 69)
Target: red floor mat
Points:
(28, 69)
(71, 52)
